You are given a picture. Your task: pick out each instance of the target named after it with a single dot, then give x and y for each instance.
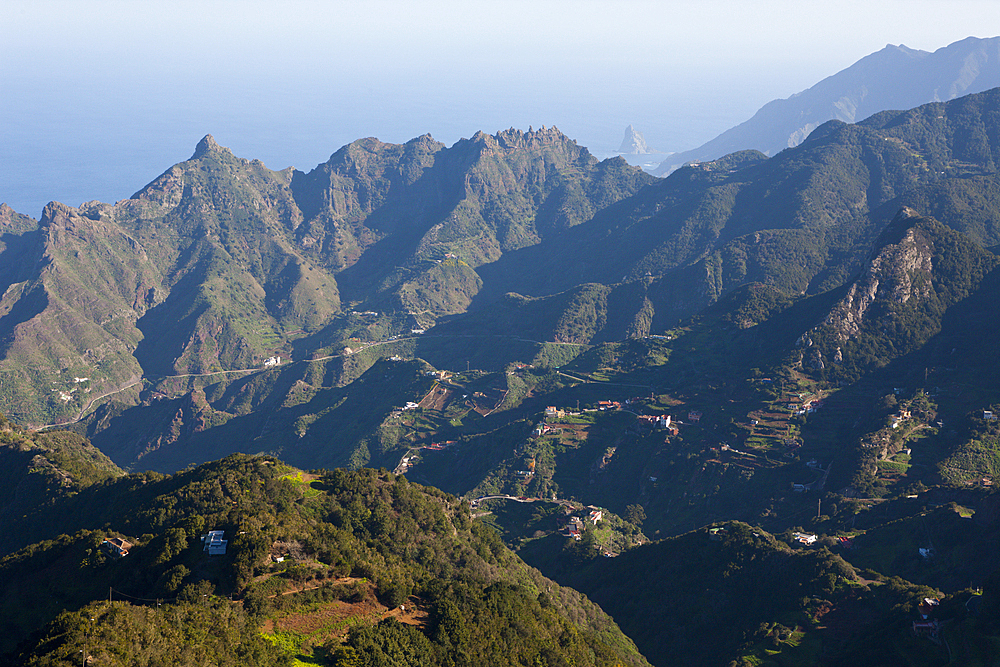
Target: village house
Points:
(573, 527)
(927, 606)
(116, 547)
(553, 411)
(804, 538)
(272, 361)
(694, 416)
(213, 543)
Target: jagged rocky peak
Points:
(57, 213)
(12, 221)
(634, 143)
(513, 139)
(208, 145)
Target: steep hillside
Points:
(221, 263)
(585, 314)
(39, 471)
(297, 413)
(69, 318)
(802, 221)
(918, 270)
(410, 224)
(737, 595)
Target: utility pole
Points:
(819, 502)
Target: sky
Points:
(98, 97)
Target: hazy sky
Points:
(98, 98)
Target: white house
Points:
(214, 544)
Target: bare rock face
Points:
(917, 271)
(633, 143)
(898, 272)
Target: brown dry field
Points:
(436, 399)
(333, 620)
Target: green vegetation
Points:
(357, 545)
(746, 596)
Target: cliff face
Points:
(918, 270)
(898, 272)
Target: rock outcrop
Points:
(633, 143)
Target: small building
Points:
(694, 416)
(927, 607)
(804, 538)
(926, 628)
(716, 534)
(272, 361)
(573, 527)
(116, 546)
(595, 516)
(213, 543)
(553, 411)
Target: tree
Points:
(635, 514)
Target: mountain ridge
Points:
(896, 77)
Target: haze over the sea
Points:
(99, 97)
